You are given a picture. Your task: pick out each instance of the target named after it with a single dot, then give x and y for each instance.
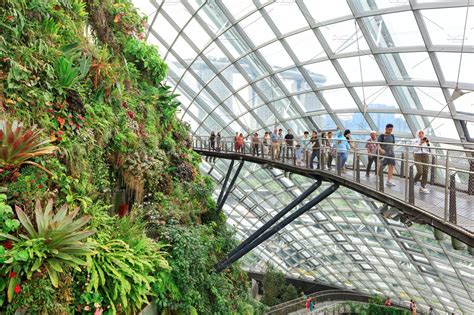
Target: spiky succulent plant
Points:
(20, 144)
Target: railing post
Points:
(353, 163)
(378, 165)
(338, 161)
(452, 199)
(357, 169)
(470, 182)
(321, 159)
(306, 158)
(294, 156)
(411, 187)
(446, 187)
(433, 170)
(402, 166)
(380, 177)
(405, 171)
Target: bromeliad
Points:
(19, 145)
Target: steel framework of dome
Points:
(317, 64)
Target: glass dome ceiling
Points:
(317, 64)
(358, 64)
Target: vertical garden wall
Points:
(102, 207)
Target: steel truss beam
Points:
(258, 239)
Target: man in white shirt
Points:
(421, 153)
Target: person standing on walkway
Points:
(331, 150)
(275, 144)
(266, 143)
(421, 154)
(308, 303)
(235, 141)
(387, 149)
(316, 147)
(305, 145)
(431, 311)
(324, 150)
(240, 142)
(280, 141)
(255, 144)
(289, 141)
(218, 141)
(299, 151)
(212, 140)
(347, 135)
(342, 146)
(371, 147)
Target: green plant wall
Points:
(80, 72)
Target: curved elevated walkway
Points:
(328, 300)
(424, 208)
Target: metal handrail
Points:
(231, 140)
(441, 166)
(442, 145)
(324, 296)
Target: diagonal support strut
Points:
(221, 202)
(273, 220)
(229, 171)
(245, 249)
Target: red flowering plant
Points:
(65, 120)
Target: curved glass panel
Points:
(249, 65)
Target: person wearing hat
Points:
(371, 147)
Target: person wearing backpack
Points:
(386, 148)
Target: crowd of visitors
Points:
(323, 149)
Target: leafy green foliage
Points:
(100, 94)
(123, 274)
(37, 296)
(275, 289)
(127, 264)
(377, 299)
(146, 59)
(372, 309)
(53, 243)
(7, 223)
(68, 74)
(195, 251)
